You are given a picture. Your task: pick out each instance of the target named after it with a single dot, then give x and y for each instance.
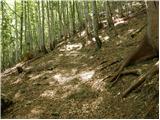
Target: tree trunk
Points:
(87, 20)
(153, 24)
(30, 37)
(54, 42)
(148, 47)
(38, 26)
(73, 17)
(2, 38)
(17, 39)
(26, 28)
(21, 32)
(109, 18)
(95, 26)
(49, 26)
(60, 20)
(43, 34)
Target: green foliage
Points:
(66, 17)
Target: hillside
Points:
(73, 80)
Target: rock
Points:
(5, 103)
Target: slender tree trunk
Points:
(25, 22)
(30, 37)
(2, 39)
(109, 18)
(109, 15)
(17, 39)
(39, 26)
(49, 26)
(79, 15)
(65, 28)
(72, 4)
(120, 8)
(73, 17)
(54, 42)
(21, 33)
(60, 20)
(43, 26)
(68, 23)
(88, 20)
(95, 26)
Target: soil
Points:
(69, 81)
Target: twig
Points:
(115, 80)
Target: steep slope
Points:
(69, 82)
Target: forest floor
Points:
(69, 82)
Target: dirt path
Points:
(69, 83)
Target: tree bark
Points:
(43, 34)
(21, 33)
(49, 26)
(95, 26)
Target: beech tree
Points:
(95, 26)
(30, 27)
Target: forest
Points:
(79, 59)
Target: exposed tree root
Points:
(114, 62)
(141, 79)
(135, 72)
(117, 76)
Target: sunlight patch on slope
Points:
(33, 77)
(49, 93)
(68, 90)
(76, 46)
(87, 75)
(18, 95)
(62, 78)
(106, 38)
(19, 80)
(130, 31)
(95, 104)
(72, 53)
(36, 112)
(119, 21)
(99, 84)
